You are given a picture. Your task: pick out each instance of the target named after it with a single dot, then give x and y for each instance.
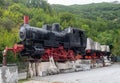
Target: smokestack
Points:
(26, 19)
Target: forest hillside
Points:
(101, 21)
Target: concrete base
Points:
(42, 68)
(64, 67)
(86, 64)
(106, 61)
(9, 74)
(51, 67)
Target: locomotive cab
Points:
(76, 39)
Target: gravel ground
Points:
(110, 74)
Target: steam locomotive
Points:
(68, 44)
(38, 41)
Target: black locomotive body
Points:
(36, 40)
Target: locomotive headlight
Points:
(22, 33)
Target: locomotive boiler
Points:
(52, 41)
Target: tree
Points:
(67, 18)
(7, 23)
(1, 3)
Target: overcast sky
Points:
(71, 2)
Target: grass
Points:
(21, 81)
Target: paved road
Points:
(110, 74)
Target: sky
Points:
(71, 2)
